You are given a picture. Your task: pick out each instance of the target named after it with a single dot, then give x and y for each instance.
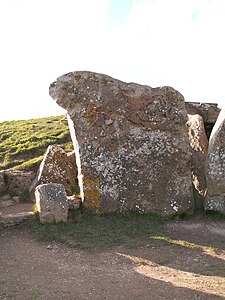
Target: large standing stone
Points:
(199, 144)
(133, 143)
(51, 201)
(56, 167)
(215, 167)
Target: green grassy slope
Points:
(23, 143)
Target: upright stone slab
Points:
(199, 145)
(215, 167)
(133, 143)
(56, 167)
(51, 201)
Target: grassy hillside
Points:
(23, 143)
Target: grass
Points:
(97, 232)
(213, 249)
(181, 243)
(138, 260)
(23, 143)
(215, 215)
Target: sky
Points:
(178, 43)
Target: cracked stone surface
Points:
(199, 145)
(51, 203)
(133, 143)
(57, 167)
(215, 167)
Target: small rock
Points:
(6, 203)
(5, 197)
(16, 199)
(52, 204)
(73, 202)
(16, 218)
(18, 182)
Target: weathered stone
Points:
(73, 170)
(208, 111)
(17, 183)
(16, 199)
(51, 203)
(15, 218)
(133, 143)
(199, 144)
(2, 182)
(5, 197)
(56, 167)
(6, 203)
(73, 202)
(215, 167)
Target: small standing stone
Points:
(52, 204)
(57, 167)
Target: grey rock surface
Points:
(133, 143)
(56, 167)
(16, 183)
(215, 167)
(199, 145)
(2, 182)
(208, 111)
(52, 204)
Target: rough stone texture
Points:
(15, 219)
(16, 183)
(2, 182)
(74, 202)
(199, 144)
(52, 204)
(6, 203)
(56, 167)
(73, 169)
(133, 143)
(215, 167)
(208, 111)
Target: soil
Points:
(195, 269)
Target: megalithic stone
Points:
(133, 143)
(215, 167)
(199, 145)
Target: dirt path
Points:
(161, 268)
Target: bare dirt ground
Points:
(188, 265)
